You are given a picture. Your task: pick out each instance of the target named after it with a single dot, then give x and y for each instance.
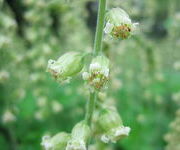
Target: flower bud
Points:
(60, 140)
(119, 24)
(79, 137)
(66, 66)
(57, 142)
(112, 125)
(98, 72)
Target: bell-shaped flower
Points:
(98, 74)
(119, 24)
(79, 137)
(66, 66)
(57, 142)
(112, 126)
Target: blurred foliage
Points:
(173, 136)
(145, 84)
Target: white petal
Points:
(76, 145)
(123, 131)
(108, 28)
(105, 139)
(94, 67)
(106, 72)
(46, 142)
(135, 28)
(126, 20)
(85, 75)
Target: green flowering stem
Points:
(97, 50)
(90, 107)
(100, 27)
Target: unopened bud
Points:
(66, 66)
(119, 24)
(57, 142)
(60, 140)
(112, 125)
(79, 137)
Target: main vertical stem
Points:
(99, 27)
(90, 107)
(97, 50)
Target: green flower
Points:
(112, 126)
(60, 140)
(98, 74)
(79, 137)
(119, 24)
(57, 142)
(66, 66)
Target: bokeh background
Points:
(145, 71)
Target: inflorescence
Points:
(108, 122)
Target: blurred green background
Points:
(145, 76)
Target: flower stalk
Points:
(100, 27)
(90, 107)
(96, 52)
(110, 127)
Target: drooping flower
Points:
(98, 74)
(57, 142)
(119, 24)
(112, 126)
(79, 137)
(66, 66)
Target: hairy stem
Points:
(97, 50)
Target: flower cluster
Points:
(108, 123)
(77, 140)
(119, 25)
(98, 74)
